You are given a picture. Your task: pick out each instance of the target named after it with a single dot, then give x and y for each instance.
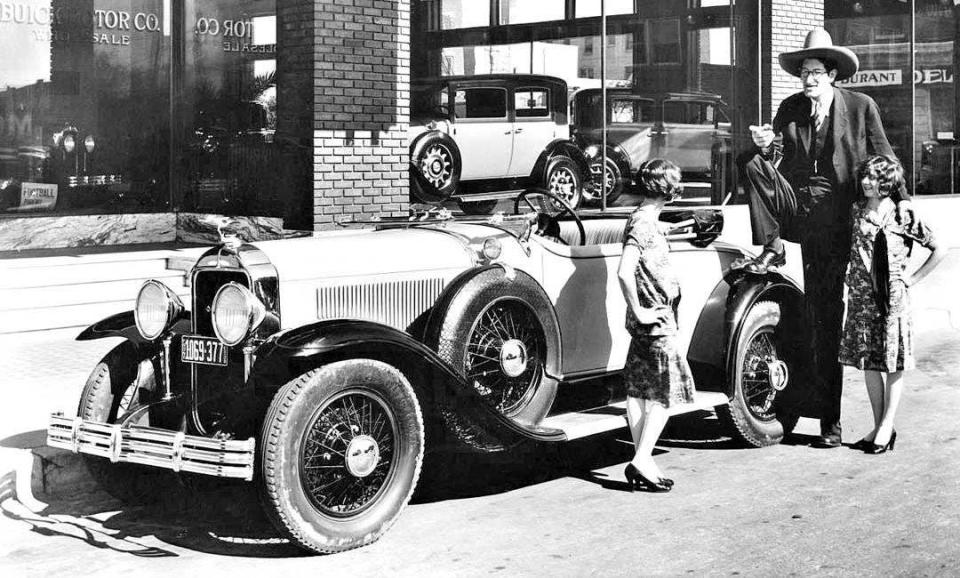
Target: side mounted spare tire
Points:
(759, 374)
(435, 167)
(499, 330)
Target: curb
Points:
(29, 468)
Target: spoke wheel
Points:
(348, 453)
(436, 165)
(341, 450)
(563, 181)
(759, 376)
(763, 373)
(505, 354)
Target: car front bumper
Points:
(152, 446)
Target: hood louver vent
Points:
(393, 303)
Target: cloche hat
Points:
(819, 45)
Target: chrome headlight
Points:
(156, 310)
(236, 313)
(592, 151)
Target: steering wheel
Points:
(558, 202)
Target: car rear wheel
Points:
(613, 177)
(501, 334)
(118, 383)
(759, 375)
(342, 447)
(562, 178)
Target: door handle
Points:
(519, 130)
(508, 132)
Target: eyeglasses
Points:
(816, 74)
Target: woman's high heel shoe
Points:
(638, 481)
(878, 449)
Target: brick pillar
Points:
(787, 23)
(296, 35)
(361, 108)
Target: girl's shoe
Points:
(878, 449)
(638, 481)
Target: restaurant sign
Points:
(865, 78)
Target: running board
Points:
(581, 424)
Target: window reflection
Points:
(524, 11)
(464, 14)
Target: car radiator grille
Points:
(394, 303)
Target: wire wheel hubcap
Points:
(505, 354)
(764, 374)
(348, 453)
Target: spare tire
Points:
(499, 330)
(435, 166)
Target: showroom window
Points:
(138, 106)
(650, 50)
(228, 154)
(84, 106)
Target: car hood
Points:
(361, 253)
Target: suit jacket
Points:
(857, 133)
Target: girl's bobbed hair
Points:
(886, 171)
(659, 178)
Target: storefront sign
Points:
(933, 76)
(873, 78)
(895, 77)
(36, 196)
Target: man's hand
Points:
(762, 136)
(906, 216)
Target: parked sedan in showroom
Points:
(323, 368)
(691, 129)
(478, 138)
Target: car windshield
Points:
(621, 110)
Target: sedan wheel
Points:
(563, 180)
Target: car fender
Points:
(125, 325)
(713, 343)
(557, 147)
(445, 397)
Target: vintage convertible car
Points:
(322, 368)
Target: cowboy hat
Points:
(819, 45)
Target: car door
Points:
(631, 127)
(483, 131)
(533, 129)
(688, 133)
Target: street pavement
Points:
(784, 510)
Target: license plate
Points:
(205, 350)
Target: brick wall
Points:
(361, 108)
(788, 22)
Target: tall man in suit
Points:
(802, 188)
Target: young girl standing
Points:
(655, 375)
(877, 334)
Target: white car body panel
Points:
(488, 145)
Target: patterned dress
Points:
(871, 339)
(655, 370)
